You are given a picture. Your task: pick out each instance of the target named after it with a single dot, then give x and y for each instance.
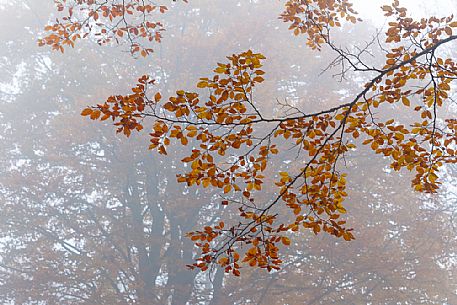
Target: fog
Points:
(88, 216)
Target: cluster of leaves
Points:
(315, 17)
(230, 107)
(106, 22)
(229, 120)
(121, 20)
(405, 68)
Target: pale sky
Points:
(417, 8)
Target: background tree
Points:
(60, 233)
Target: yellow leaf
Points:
(202, 84)
(223, 261)
(285, 240)
(86, 111)
(157, 97)
(227, 188)
(405, 101)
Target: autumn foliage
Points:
(231, 143)
(131, 22)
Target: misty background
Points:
(91, 217)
